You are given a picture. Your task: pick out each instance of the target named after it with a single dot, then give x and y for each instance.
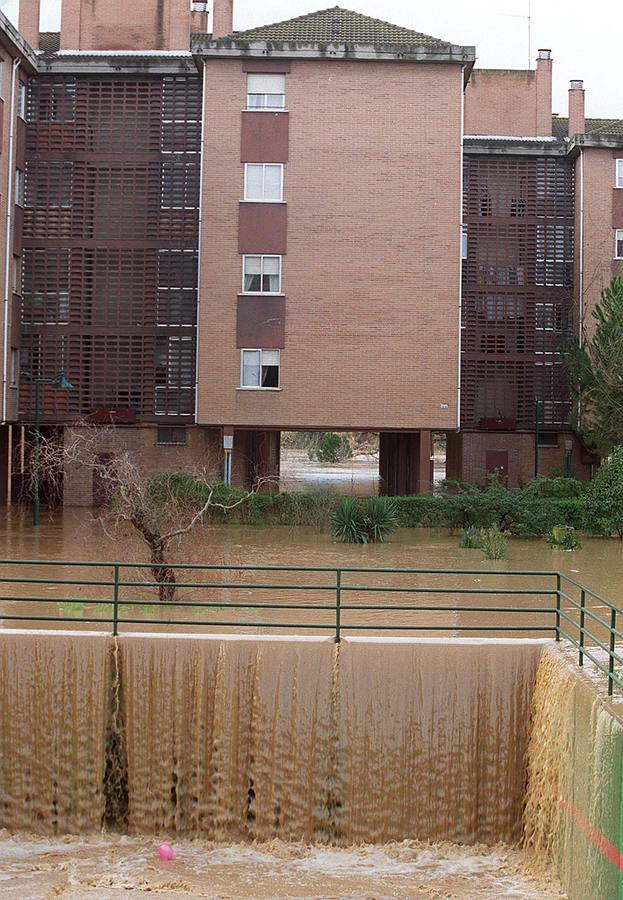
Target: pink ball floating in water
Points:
(166, 852)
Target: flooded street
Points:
(110, 866)
(75, 535)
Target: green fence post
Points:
(582, 619)
(558, 606)
(338, 605)
(613, 625)
(115, 603)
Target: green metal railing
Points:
(552, 603)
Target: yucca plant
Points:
(348, 524)
(380, 518)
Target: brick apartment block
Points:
(328, 223)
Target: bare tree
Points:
(160, 509)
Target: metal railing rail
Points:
(568, 609)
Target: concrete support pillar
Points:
(29, 14)
(405, 464)
(454, 456)
(257, 455)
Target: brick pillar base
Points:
(257, 454)
(405, 464)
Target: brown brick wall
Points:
(510, 102)
(599, 192)
(372, 269)
(118, 25)
(466, 456)
(202, 452)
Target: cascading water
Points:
(256, 738)
(54, 713)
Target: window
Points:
(172, 436)
(464, 242)
(21, 99)
(618, 243)
(619, 173)
(19, 187)
(266, 91)
(263, 181)
(261, 274)
(17, 275)
(14, 366)
(548, 439)
(260, 369)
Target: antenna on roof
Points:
(528, 18)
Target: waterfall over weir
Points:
(243, 738)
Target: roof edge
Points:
(232, 48)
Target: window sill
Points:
(263, 389)
(264, 109)
(261, 294)
(282, 202)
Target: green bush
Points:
(333, 448)
(604, 501)
(528, 511)
(562, 537)
(494, 543)
(471, 538)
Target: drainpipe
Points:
(9, 243)
(581, 255)
(200, 239)
(461, 162)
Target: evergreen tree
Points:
(596, 373)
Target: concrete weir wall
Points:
(242, 738)
(574, 805)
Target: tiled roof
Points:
(560, 127)
(337, 26)
(49, 41)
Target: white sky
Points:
(585, 39)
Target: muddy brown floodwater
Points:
(76, 535)
(107, 867)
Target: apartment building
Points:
(329, 223)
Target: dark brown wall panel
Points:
(261, 322)
(264, 137)
(262, 228)
(617, 208)
(270, 66)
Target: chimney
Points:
(222, 18)
(29, 11)
(543, 123)
(577, 122)
(199, 16)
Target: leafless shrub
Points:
(156, 508)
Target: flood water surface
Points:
(110, 866)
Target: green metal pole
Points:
(36, 507)
(537, 434)
(338, 605)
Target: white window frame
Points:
(14, 374)
(618, 236)
(262, 200)
(618, 173)
(265, 107)
(464, 240)
(20, 185)
(22, 92)
(252, 387)
(262, 257)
